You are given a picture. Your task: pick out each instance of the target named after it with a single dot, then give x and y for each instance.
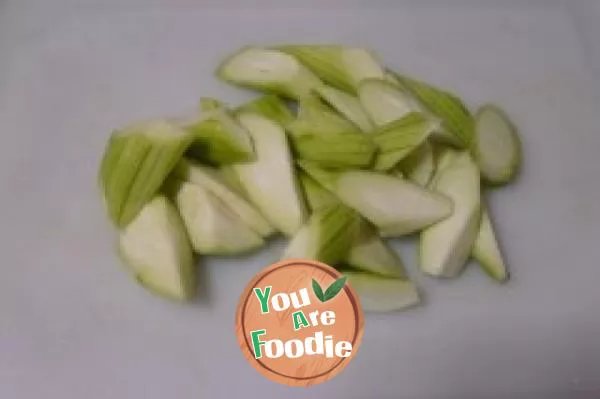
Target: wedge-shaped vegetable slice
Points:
(156, 249)
(114, 187)
(344, 150)
(445, 246)
(322, 136)
(136, 162)
(419, 166)
(382, 294)
(212, 180)
(218, 138)
(270, 106)
(316, 196)
(497, 148)
(487, 251)
(212, 227)
(347, 105)
(112, 155)
(398, 139)
(270, 182)
(457, 126)
(314, 116)
(268, 70)
(327, 235)
(396, 207)
(385, 103)
(340, 66)
(371, 254)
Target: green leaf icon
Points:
(331, 292)
(317, 290)
(334, 288)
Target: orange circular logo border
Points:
(274, 375)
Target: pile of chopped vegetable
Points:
(367, 154)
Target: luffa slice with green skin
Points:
(112, 155)
(270, 182)
(211, 179)
(317, 196)
(396, 207)
(446, 246)
(211, 225)
(382, 294)
(457, 121)
(136, 162)
(156, 249)
(419, 166)
(268, 70)
(313, 113)
(218, 138)
(344, 150)
(496, 147)
(347, 105)
(487, 251)
(327, 235)
(398, 139)
(118, 169)
(385, 103)
(323, 137)
(370, 253)
(150, 177)
(270, 106)
(340, 66)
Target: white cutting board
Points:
(72, 323)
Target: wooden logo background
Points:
(290, 276)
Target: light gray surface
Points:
(72, 325)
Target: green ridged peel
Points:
(325, 138)
(326, 237)
(398, 139)
(270, 106)
(218, 138)
(136, 162)
(316, 196)
(455, 116)
(370, 253)
(340, 66)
